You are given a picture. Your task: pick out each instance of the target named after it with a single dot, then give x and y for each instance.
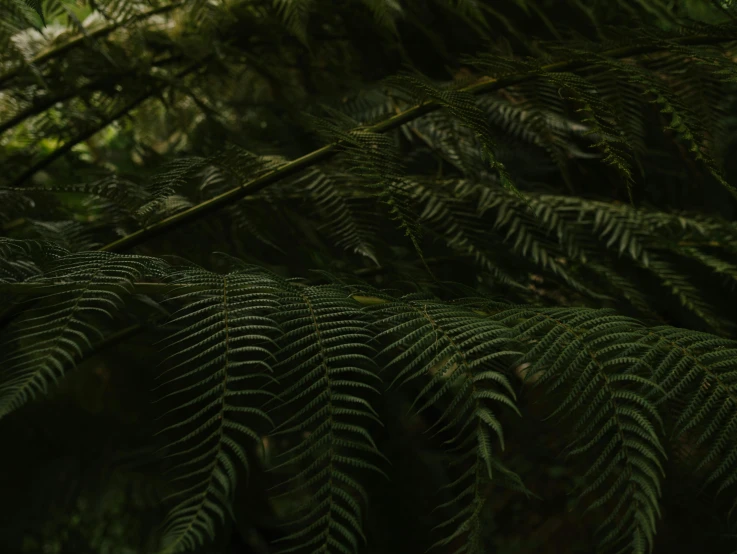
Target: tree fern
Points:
(537, 354)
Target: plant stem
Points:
(47, 102)
(484, 85)
(39, 289)
(67, 146)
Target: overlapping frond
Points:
(608, 122)
(330, 383)
(575, 239)
(458, 357)
(464, 109)
(295, 14)
(52, 336)
(594, 357)
(168, 180)
(347, 227)
(21, 260)
(248, 336)
(135, 118)
(458, 225)
(373, 159)
(221, 357)
(698, 372)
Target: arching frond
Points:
(325, 358)
(51, 337)
(698, 371)
(458, 358)
(219, 359)
(594, 356)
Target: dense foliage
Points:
(368, 276)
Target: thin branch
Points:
(38, 289)
(42, 289)
(79, 39)
(484, 85)
(46, 103)
(67, 146)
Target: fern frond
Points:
(21, 260)
(168, 179)
(463, 107)
(385, 12)
(472, 171)
(220, 359)
(604, 118)
(329, 380)
(372, 158)
(342, 220)
(595, 356)
(458, 357)
(52, 51)
(698, 370)
(511, 72)
(295, 14)
(563, 228)
(457, 224)
(51, 337)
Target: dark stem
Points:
(48, 102)
(67, 146)
(483, 86)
